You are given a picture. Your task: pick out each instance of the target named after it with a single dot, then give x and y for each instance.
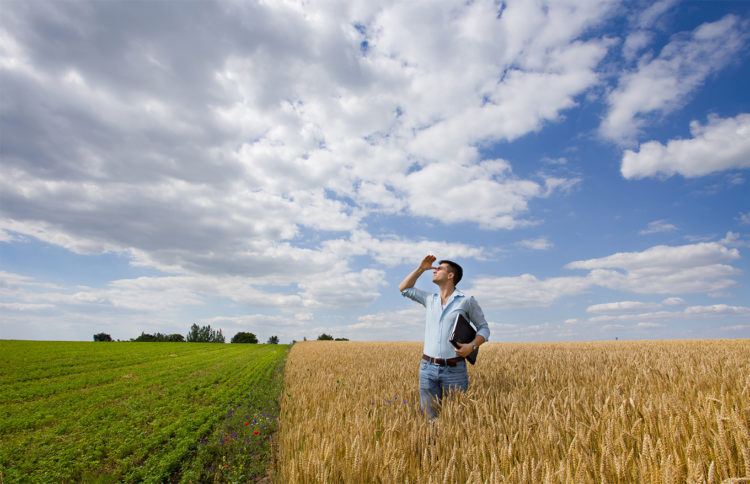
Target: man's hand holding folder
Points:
(462, 337)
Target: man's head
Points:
(448, 271)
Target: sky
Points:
(279, 167)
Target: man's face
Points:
(441, 274)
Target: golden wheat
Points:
(617, 412)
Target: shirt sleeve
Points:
(477, 317)
(416, 295)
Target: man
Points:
(443, 367)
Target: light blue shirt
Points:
(439, 321)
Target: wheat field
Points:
(603, 412)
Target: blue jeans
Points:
(436, 380)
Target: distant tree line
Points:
(323, 337)
(158, 337)
(204, 334)
(328, 337)
(197, 334)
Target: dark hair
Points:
(458, 273)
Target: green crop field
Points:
(135, 412)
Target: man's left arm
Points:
(476, 316)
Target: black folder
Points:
(463, 332)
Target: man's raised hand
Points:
(427, 262)
(411, 279)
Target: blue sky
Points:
(280, 167)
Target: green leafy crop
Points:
(136, 412)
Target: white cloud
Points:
(392, 250)
(695, 268)
(662, 84)
(262, 325)
(525, 290)
(455, 55)
(541, 243)
(691, 313)
(744, 217)
(710, 279)
(621, 307)
(485, 193)
(406, 324)
(553, 184)
(6, 237)
(521, 332)
(733, 239)
(721, 144)
(259, 170)
(21, 307)
(716, 310)
(630, 307)
(217, 163)
(674, 301)
(658, 226)
(643, 22)
(650, 325)
(665, 269)
(555, 161)
(10, 280)
(341, 290)
(663, 256)
(634, 43)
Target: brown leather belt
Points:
(442, 362)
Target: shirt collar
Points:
(456, 293)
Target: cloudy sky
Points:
(278, 167)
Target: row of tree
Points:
(204, 334)
(168, 338)
(197, 334)
(328, 337)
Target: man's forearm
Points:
(411, 279)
